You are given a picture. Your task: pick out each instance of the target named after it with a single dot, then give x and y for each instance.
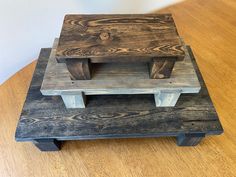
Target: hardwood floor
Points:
(210, 28)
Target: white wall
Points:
(28, 25)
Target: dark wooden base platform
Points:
(46, 122)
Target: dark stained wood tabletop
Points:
(141, 35)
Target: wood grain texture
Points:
(91, 36)
(122, 78)
(161, 68)
(209, 27)
(119, 116)
(79, 69)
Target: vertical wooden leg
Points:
(47, 144)
(74, 100)
(161, 68)
(191, 139)
(79, 68)
(166, 99)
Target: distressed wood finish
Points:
(214, 156)
(91, 36)
(166, 99)
(117, 116)
(121, 78)
(109, 38)
(79, 69)
(74, 100)
(161, 68)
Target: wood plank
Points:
(122, 78)
(113, 116)
(142, 35)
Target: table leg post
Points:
(80, 69)
(161, 68)
(189, 139)
(166, 99)
(74, 100)
(47, 144)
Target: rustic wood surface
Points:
(161, 68)
(122, 78)
(79, 69)
(91, 36)
(117, 116)
(116, 36)
(208, 26)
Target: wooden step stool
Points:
(88, 39)
(46, 122)
(119, 78)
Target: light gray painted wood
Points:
(166, 98)
(124, 78)
(120, 78)
(72, 100)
